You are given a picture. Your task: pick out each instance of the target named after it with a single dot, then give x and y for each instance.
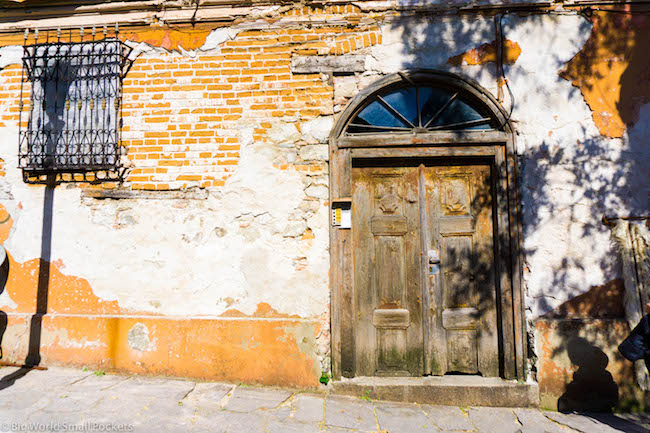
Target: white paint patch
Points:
(10, 55)
(218, 37)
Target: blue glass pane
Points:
(458, 112)
(431, 101)
(375, 114)
(404, 101)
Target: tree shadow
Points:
(572, 170)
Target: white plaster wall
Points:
(570, 175)
(244, 244)
(240, 247)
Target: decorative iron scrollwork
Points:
(74, 118)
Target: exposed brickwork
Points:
(10, 78)
(183, 115)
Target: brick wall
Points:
(183, 112)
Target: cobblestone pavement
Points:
(73, 400)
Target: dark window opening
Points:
(420, 108)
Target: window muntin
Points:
(420, 108)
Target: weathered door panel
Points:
(386, 233)
(463, 308)
(402, 218)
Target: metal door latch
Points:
(433, 262)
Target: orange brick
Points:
(170, 163)
(189, 88)
(201, 133)
(156, 119)
(189, 177)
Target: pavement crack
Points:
(226, 398)
(517, 419)
(374, 412)
(189, 392)
(287, 401)
(115, 384)
(554, 421)
(80, 379)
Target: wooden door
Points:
(414, 316)
(461, 301)
(387, 277)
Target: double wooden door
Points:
(424, 271)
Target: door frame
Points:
(497, 146)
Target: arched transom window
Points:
(410, 106)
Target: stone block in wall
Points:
(328, 64)
(345, 87)
(314, 152)
(317, 130)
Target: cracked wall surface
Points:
(218, 109)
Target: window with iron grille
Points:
(74, 107)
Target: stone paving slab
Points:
(533, 421)
(251, 399)
(448, 418)
(494, 420)
(309, 409)
(350, 413)
(403, 418)
(68, 397)
(605, 423)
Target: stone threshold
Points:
(442, 390)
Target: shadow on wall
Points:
(573, 167)
(604, 170)
(592, 386)
(4, 275)
(579, 366)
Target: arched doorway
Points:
(425, 275)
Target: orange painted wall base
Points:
(251, 350)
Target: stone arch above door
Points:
(484, 114)
(410, 120)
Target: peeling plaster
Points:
(488, 53)
(611, 70)
(258, 246)
(218, 37)
(138, 338)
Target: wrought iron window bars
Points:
(75, 93)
